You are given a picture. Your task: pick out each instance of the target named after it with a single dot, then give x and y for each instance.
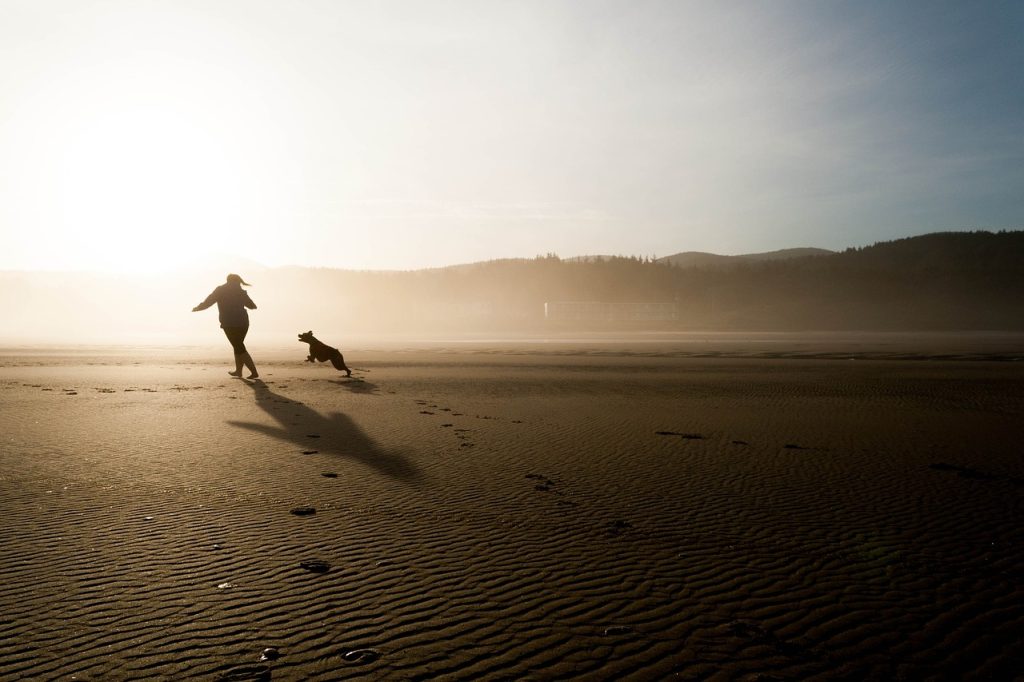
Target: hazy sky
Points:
(146, 134)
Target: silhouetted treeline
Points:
(939, 281)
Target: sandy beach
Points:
(605, 511)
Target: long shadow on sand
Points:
(356, 385)
(333, 435)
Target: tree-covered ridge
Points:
(936, 281)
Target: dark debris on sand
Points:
(685, 436)
(245, 673)
(360, 656)
(315, 565)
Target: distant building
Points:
(609, 312)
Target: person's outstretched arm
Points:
(210, 300)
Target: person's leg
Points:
(253, 374)
(236, 336)
(238, 366)
(246, 358)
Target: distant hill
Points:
(700, 259)
(941, 281)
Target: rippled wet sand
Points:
(512, 513)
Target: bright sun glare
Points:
(141, 190)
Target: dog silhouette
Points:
(320, 351)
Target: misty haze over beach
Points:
(951, 282)
(511, 340)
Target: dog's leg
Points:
(341, 359)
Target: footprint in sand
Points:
(310, 452)
(794, 446)
(315, 566)
(618, 527)
(270, 654)
(740, 442)
(426, 412)
(329, 474)
(312, 435)
(303, 511)
(746, 629)
(445, 426)
(544, 484)
(756, 634)
(962, 472)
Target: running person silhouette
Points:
(232, 301)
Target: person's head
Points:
(237, 279)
